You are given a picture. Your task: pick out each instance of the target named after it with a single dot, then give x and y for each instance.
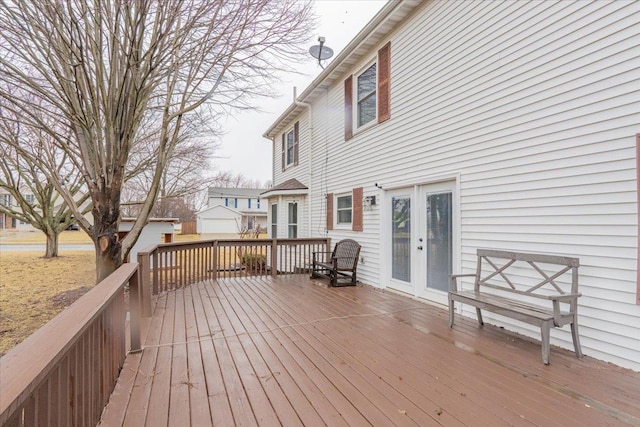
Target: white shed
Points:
(158, 230)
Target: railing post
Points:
(156, 272)
(274, 258)
(214, 263)
(134, 312)
(144, 274)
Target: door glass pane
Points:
(439, 241)
(401, 238)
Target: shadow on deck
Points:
(290, 351)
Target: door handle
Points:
(419, 248)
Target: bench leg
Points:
(576, 338)
(546, 347)
(479, 314)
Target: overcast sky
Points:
(243, 149)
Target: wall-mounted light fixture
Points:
(379, 186)
(369, 201)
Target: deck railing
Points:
(173, 265)
(65, 372)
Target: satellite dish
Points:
(321, 52)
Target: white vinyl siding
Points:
(534, 107)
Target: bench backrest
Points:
(496, 269)
(347, 252)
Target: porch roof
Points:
(289, 187)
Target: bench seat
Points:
(497, 290)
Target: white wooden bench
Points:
(526, 287)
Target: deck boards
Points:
(290, 351)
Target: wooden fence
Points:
(189, 227)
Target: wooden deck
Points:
(293, 352)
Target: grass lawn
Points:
(34, 289)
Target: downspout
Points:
(304, 104)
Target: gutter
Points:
(310, 108)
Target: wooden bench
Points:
(525, 287)
(340, 265)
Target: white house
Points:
(447, 126)
(230, 210)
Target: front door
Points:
(420, 223)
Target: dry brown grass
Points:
(34, 289)
(11, 237)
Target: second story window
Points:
(5, 199)
(30, 198)
(290, 146)
(249, 203)
(366, 95)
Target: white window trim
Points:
(342, 225)
(354, 105)
(287, 163)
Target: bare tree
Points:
(185, 178)
(228, 179)
(104, 66)
(23, 151)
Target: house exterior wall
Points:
(283, 216)
(243, 203)
(531, 110)
(302, 172)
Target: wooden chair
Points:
(341, 266)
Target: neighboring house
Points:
(7, 222)
(447, 126)
(230, 210)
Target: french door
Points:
(421, 223)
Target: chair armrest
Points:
(453, 285)
(564, 297)
(313, 255)
(556, 300)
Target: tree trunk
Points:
(108, 253)
(105, 236)
(52, 245)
